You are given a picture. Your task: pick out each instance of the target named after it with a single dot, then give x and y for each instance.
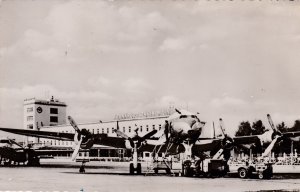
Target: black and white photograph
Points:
(149, 95)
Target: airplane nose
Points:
(181, 127)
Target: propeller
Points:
(227, 142)
(275, 136)
(80, 136)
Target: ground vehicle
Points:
(252, 169)
(207, 168)
(162, 165)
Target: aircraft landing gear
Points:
(82, 169)
(135, 166)
(138, 169)
(187, 170)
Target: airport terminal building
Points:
(50, 115)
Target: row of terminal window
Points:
(53, 119)
(124, 129)
(52, 110)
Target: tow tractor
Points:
(262, 170)
(208, 167)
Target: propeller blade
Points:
(14, 142)
(118, 128)
(177, 111)
(121, 134)
(214, 130)
(73, 124)
(270, 147)
(76, 150)
(148, 135)
(271, 123)
(222, 127)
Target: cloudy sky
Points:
(236, 60)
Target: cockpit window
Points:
(182, 116)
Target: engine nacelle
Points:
(86, 141)
(87, 144)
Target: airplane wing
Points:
(40, 134)
(101, 139)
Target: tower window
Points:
(53, 111)
(29, 118)
(107, 130)
(30, 126)
(53, 119)
(30, 109)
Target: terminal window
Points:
(53, 111)
(53, 119)
(30, 109)
(29, 118)
(30, 126)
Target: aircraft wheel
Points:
(131, 169)
(260, 175)
(81, 169)
(139, 168)
(242, 173)
(168, 171)
(187, 171)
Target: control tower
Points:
(39, 113)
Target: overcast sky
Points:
(236, 60)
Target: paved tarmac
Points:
(114, 177)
